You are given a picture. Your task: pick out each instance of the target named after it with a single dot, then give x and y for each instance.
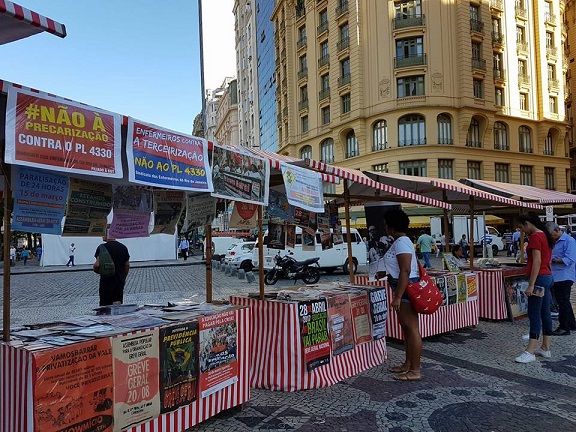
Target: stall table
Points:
(17, 374)
(277, 358)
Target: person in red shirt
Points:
(539, 253)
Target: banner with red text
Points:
(164, 158)
(136, 379)
(49, 132)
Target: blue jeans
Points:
(394, 286)
(539, 308)
(426, 256)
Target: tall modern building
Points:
(449, 89)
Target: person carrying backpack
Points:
(112, 264)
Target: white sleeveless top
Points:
(402, 245)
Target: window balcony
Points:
(497, 4)
(323, 61)
(302, 43)
(497, 38)
(445, 141)
(551, 52)
(343, 80)
(416, 60)
(303, 105)
(327, 159)
(343, 44)
(322, 28)
(521, 47)
(381, 146)
(525, 149)
(499, 74)
(342, 8)
(324, 93)
(523, 79)
(352, 153)
(521, 12)
(300, 12)
(550, 18)
(412, 142)
(476, 26)
(549, 152)
(501, 147)
(408, 21)
(553, 84)
(302, 73)
(478, 64)
(472, 143)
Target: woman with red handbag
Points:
(402, 268)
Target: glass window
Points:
(345, 103)
(444, 129)
(302, 33)
(499, 96)
(329, 188)
(549, 39)
(520, 34)
(446, 168)
(379, 135)
(304, 93)
(522, 67)
(524, 101)
(327, 151)
(549, 178)
(413, 167)
(406, 48)
(345, 67)
(476, 50)
(324, 50)
(304, 123)
(496, 25)
(326, 115)
(323, 17)
(351, 145)
(553, 102)
(411, 86)
(526, 177)
(407, 9)
(383, 167)
(475, 170)
(502, 172)
(344, 32)
(498, 62)
(551, 72)
(306, 152)
(474, 138)
(479, 89)
(411, 130)
(325, 82)
(548, 145)
(474, 12)
(303, 62)
(501, 136)
(525, 139)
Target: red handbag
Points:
(424, 295)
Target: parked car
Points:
(239, 255)
(220, 246)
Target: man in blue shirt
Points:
(516, 241)
(564, 272)
(425, 243)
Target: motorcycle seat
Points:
(308, 261)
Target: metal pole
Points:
(202, 84)
(6, 238)
(446, 227)
(260, 254)
(348, 233)
(471, 236)
(208, 250)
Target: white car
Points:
(239, 256)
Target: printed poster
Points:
(276, 236)
(305, 218)
(440, 282)
(313, 316)
(136, 379)
(240, 176)
(452, 288)
(164, 158)
(132, 207)
(308, 240)
(168, 208)
(332, 212)
(218, 352)
(49, 132)
(338, 237)
(472, 283)
(462, 288)
(244, 216)
(88, 206)
(178, 365)
(200, 210)
(361, 317)
(451, 262)
(304, 187)
(39, 200)
(378, 311)
(279, 209)
(516, 299)
(340, 324)
(73, 388)
(324, 229)
(290, 236)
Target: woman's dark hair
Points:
(535, 220)
(397, 220)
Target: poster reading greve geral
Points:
(49, 132)
(73, 388)
(378, 311)
(161, 157)
(314, 332)
(178, 365)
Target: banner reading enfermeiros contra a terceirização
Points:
(53, 133)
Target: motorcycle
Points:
(287, 267)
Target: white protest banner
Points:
(303, 188)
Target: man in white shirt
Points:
(12, 255)
(71, 256)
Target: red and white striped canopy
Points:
(365, 186)
(17, 22)
(522, 192)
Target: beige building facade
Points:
(443, 88)
(226, 129)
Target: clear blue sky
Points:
(134, 57)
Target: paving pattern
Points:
(470, 382)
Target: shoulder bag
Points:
(424, 295)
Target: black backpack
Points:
(107, 266)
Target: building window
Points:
(474, 12)
(525, 139)
(304, 123)
(549, 39)
(520, 35)
(324, 50)
(383, 167)
(445, 168)
(502, 172)
(303, 63)
(474, 138)
(344, 35)
(548, 145)
(475, 170)
(499, 97)
(526, 177)
(327, 151)
(413, 167)
(380, 135)
(302, 34)
(306, 152)
(323, 16)
(478, 89)
(411, 86)
(501, 136)
(522, 68)
(326, 115)
(444, 129)
(553, 102)
(351, 145)
(411, 130)
(549, 178)
(476, 50)
(409, 48)
(408, 9)
(524, 101)
(345, 103)
(325, 82)
(329, 188)
(345, 67)
(304, 93)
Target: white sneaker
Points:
(540, 352)
(525, 357)
(526, 337)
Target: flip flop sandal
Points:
(398, 369)
(405, 377)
